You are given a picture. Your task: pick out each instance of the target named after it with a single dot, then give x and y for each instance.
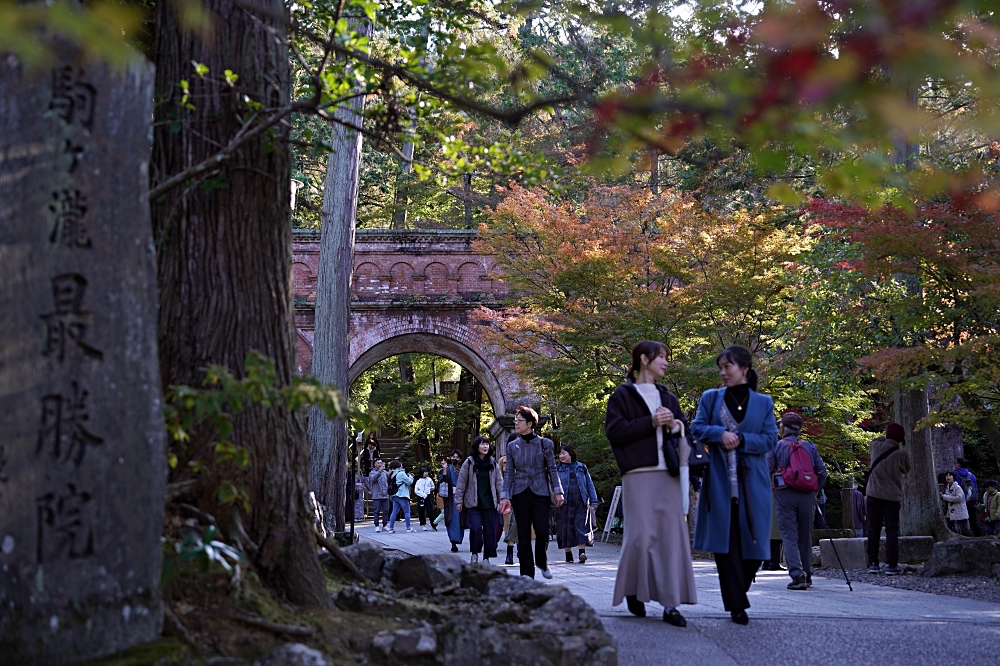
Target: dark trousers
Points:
(425, 509)
(482, 530)
(883, 511)
(973, 521)
(531, 510)
(735, 573)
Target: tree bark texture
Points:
(224, 269)
(920, 513)
(328, 440)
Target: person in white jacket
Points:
(424, 490)
(958, 512)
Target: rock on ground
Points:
(294, 654)
(476, 614)
(963, 556)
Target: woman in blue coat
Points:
(734, 514)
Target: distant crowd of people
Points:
(760, 494)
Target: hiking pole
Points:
(829, 534)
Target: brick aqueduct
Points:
(413, 292)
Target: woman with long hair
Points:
(643, 420)
(477, 494)
(530, 486)
(738, 426)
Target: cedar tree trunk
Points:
(328, 440)
(920, 512)
(224, 269)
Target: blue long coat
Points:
(760, 435)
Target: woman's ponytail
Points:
(752, 379)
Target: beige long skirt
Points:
(655, 563)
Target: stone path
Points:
(826, 624)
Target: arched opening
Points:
(427, 405)
(438, 345)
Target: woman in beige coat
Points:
(477, 494)
(958, 512)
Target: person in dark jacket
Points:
(734, 516)
(971, 486)
(644, 425)
(794, 507)
(858, 511)
(530, 486)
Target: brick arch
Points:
(401, 278)
(458, 341)
(468, 278)
(436, 283)
(305, 281)
(367, 281)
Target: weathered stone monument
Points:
(82, 445)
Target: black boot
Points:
(569, 557)
(510, 555)
(454, 547)
(583, 556)
(635, 606)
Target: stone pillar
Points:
(501, 430)
(82, 444)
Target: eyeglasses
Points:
(519, 421)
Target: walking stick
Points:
(829, 534)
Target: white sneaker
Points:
(474, 558)
(546, 573)
(378, 528)
(425, 528)
(391, 531)
(410, 529)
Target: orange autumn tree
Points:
(589, 279)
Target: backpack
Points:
(800, 474)
(393, 485)
(971, 490)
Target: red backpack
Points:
(800, 473)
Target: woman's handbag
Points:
(698, 459)
(548, 477)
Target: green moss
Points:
(164, 652)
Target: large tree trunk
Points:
(224, 261)
(920, 513)
(328, 439)
(986, 425)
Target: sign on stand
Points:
(615, 499)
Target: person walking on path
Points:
(991, 508)
(795, 506)
(573, 527)
(424, 490)
(530, 485)
(477, 495)
(734, 516)
(958, 511)
(444, 490)
(379, 481)
(643, 420)
(453, 521)
(401, 500)
(369, 454)
(509, 524)
(968, 481)
(859, 514)
(883, 495)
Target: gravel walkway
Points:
(980, 588)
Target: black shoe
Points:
(583, 557)
(798, 583)
(674, 617)
(433, 526)
(454, 547)
(635, 606)
(740, 617)
(809, 580)
(569, 558)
